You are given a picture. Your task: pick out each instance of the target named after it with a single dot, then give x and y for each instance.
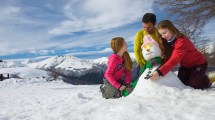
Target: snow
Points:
(211, 74)
(102, 60)
(37, 99)
(146, 87)
(21, 62)
(48, 63)
(74, 63)
(24, 72)
(32, 97)
(63, 62)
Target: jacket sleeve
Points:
(177, 54)
(127, 76)
(137, 49)
(109, 74)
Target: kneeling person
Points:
(118, 73)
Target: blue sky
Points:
(82, 28)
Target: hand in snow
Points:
(122, 87)
(154, 76)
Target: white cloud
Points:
(106, 50)
(97, 39)
(17, 41)
(8, 10)
(18, 33)
(25, 26)
(13, 15)
(42, 52)
(97, 15)
(9, 13)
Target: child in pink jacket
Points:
(118, 73)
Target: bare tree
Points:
(190, 15)
(211, 56)
(189, 10)
(190, 18)
(191, 30)
(204, 46)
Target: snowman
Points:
(152, 54)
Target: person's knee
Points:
(110, 92)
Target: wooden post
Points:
(8, 75)
(1, 76)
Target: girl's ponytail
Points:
(128, 63)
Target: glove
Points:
(129, 88)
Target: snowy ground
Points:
(37, 99)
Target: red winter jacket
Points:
(115, 71)
(185, 53)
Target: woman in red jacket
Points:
(178, 49)
(118, 72)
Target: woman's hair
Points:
(116, 44)
(165, 47)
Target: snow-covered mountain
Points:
(100, 61)
(68, 65)
(73, 68)
(14, 63)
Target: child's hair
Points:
(165, 47)
(116, 44)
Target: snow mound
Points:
(37, 99)
(24, 72)
(14, 82)
(146, 87)
(24, 75)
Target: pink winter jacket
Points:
(115, 71)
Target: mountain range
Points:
(72, 69)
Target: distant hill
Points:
(72, 69)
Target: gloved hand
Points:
(129, 88)
(128, 85)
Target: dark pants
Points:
(135, 73)
(109, 91)
(195, 77)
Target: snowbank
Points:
(24, 72)
(37, 99)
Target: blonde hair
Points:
(165, 47)
(117, 44)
